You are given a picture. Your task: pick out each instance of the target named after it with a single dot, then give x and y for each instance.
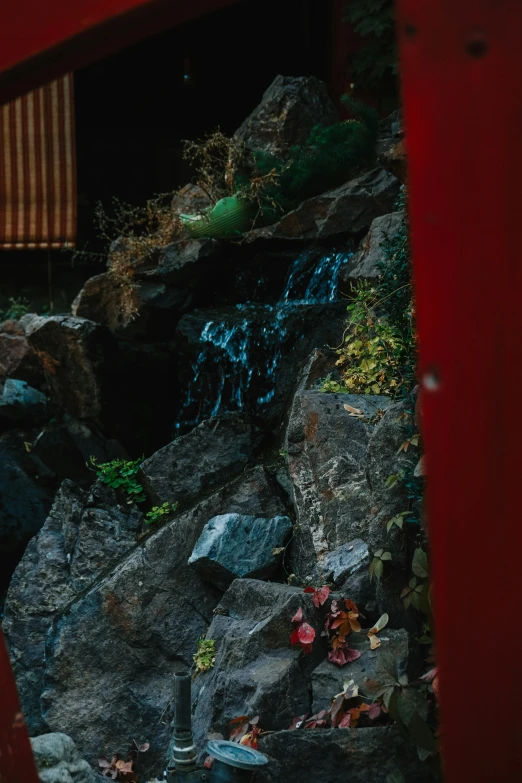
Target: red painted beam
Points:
(462, 89)
(16, 757)
(42, 40)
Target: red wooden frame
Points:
(462, 84)
(43, 39)
(16, 758)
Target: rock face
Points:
(17, 360)
(257, 671)
(345, 561)
(84, 533)
(364, 264)
(21, 403)
(58, 761)
(112, 655)
(349, 209)
(234, 545)
(339, 466)
(328, 755)
(327, 678)
(290, 108)
(24, 502)
(221, 447)
(102, 300)
(71, 352)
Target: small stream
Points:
(241, 348)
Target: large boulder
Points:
(339, 465)
(201, 460)
(24, 501)
(235, 546)
(21, 404)
(104, 300)
(364, 264)
(328, 678)
(257, 671)
(112, 652)
(348, 209)
(290, 108)
(71, 351)
(83, 535)
(330, 755)
(58, 761)
(17, 359)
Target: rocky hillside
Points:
(262, 521)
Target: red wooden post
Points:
(16, 758)
(462, 89)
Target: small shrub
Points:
(121, 474)
(157, 513)
(15, 310)
(205, 657)
(377, 59)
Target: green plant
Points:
(157, 513)
(374, 354)
(122, 474)
(15, 309)
(377, 60)
(329, 157)
(205, 657)
(377, 564)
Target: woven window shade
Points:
(38, 169)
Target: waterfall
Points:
(241, 349)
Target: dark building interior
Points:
(133, 110)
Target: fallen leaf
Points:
(343, 655)
(353, 411)
(208, 762)
(379, 625)
(298, 616)
(319, 596)
(306, 633)
(278, 550)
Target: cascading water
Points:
(242, 347)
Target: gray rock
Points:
(331, 755)
(106, 302)
(364, 264)
(24, 503)
(257, 671)
(290, 108)
(339, 466)
(345, 561)
(112, 653)
(17, 359)
(326, 456)
(84, 534)
(328, 679)
(201, 460)
(232, 546)
(58, 761)
(21, 403)
(349, 209)
(71, 352)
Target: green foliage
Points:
(377, 565)
(374, 353)
(205, 657)
(377, 60)
(328, 158)
(157, 513)
(122, 474)
(378, 353)
(15, 310)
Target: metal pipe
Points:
(184, 753)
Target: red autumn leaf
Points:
(307, 648)
(374, 711)
(208, 762)
(351, 607)
(343, 655)
(345, 721)
(297, 722)
(316, 721)
(320, 595)
(305, 633)
(294, 638)
(298, 616)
